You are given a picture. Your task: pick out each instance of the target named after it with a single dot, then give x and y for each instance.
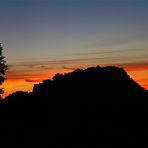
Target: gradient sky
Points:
(42, 37)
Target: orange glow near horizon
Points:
(139, 73)
(23, 83)
(18, 80)
(140, 78)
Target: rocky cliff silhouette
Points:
(97, 106)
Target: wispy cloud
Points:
(141, 66)
(107, 43)
(33, 80)
(112, 42)
(114, 51)
(25, 74)
(31, 65)
(69, 68)
(43, 66)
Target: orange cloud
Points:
(33, 80)
(24, 74)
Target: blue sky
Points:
(83, 32)
(32, 29)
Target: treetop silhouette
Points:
(97, 106)
(3, 68)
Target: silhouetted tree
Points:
(3, 68)
(97, 106)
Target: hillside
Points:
(97, 106)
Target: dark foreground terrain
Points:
(98, 106)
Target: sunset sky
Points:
(43, 37)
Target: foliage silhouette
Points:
(97, 106)
(3, 68)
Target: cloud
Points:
(109, 42)
(72, 64)
(33, 80)
(31, 65)
(47, 65)
(42, 68)
(113, 51)
(143, 66)
(28, 74)
(69, 68)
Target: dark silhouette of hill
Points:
(97, 106)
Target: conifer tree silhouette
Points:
(3, 68)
